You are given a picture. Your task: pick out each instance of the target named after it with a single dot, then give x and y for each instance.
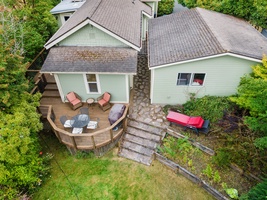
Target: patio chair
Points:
(65, 121)
(103, 101)
(75, 100)
(84, 111)
(77, 130)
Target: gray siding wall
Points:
(114, 84)
(91, 36)
(222, 78)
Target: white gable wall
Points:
(91, 36)
(222, 79)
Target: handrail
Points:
(94, 145)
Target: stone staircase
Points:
(140, 141)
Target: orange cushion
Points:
(75, 101)
(102, 102)
(71, 96)
(106, 97)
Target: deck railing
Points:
(100, 141)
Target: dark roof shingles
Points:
(123, 18)
(198, 33)
(90, 59)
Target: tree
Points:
(22, 168)
(250, 10)
(252, 95)
(165, 7)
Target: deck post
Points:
(111, 134)
(93, 140)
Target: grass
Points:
(110, 177)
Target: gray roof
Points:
(90, 59)
(67, 6)
(199, 33)
(121, 17)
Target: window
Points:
(92, 82)
(194, 79)
(66, 18)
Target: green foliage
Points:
(233, 193)
(222, 158)
(257, 192)
(208, 171)
(252, 95)
(209, 107)
(165, 7)
(216, 177)
(254, 11)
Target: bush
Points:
(257, 192)
(209, 107)
(222, 158)
(165, 7)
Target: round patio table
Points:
(80, 121)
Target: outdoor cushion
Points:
(71, 96)
(106, 97)
(102, 102)
(75, 101)
(185, 120)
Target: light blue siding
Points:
(91, 36)
(222, 78)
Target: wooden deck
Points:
(100, 140)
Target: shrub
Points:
(165, 7)
(209, 107)
(222, 158)
(257, 192)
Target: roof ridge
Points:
(207, 26)
(94, 10)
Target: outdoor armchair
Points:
(75, 100)
(103, 101)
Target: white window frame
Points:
(192, 75)
(87, 85)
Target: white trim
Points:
(84, 23)
(208, 57)
(59, 88)
(113, 73)
(152, 85)
(62, 37)
(87, 86)
(149, 16)
(127, 88)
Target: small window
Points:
(92, 82)
(66, 18)
(198, 79)
(183, 78)
(193, 79)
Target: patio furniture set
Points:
(75, 101)
(79, 122)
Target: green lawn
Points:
(110, 177)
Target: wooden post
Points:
(111, 135)
(93, 140)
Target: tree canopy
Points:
(250, 10)
(252, 95)
(22, 168)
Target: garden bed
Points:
(202, 163)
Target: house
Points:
(66, 8)
(199, 52)
(96, 49)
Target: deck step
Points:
(143, 134)
(51, 86)
(126, 153)
(140, 141)
(51, 93)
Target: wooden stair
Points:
(51, 90)
(140, 141)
